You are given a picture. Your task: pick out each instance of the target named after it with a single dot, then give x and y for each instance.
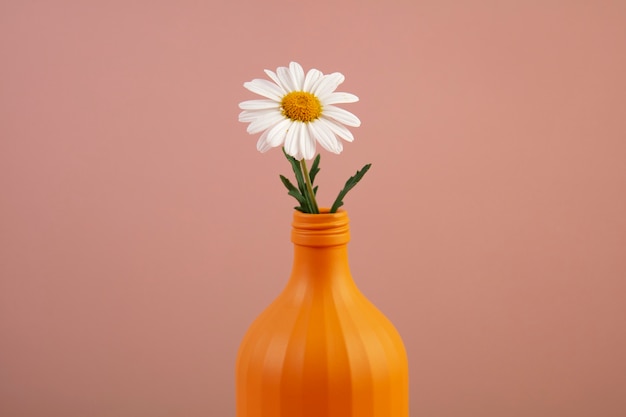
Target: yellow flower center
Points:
(301, 106)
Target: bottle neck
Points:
(320, 230)
(320, 247)
(320, 263)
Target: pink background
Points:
(141, 232)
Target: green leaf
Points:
(297, 170)
(315, 168)
(294, 192)
(287, 183)
(298, 197)
(352, 181)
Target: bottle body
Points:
(321, 349)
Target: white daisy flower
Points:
(298, 111)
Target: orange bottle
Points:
(321, 349)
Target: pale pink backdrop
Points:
(141, 232)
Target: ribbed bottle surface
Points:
(321, 349)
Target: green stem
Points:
(309, 187)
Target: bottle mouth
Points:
(319, 230)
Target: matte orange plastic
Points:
(321, 349)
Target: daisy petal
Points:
(338, 129)
(311, 78)
(291, 141)
(325, 137)
(263, 123)
(264, 88)
(317, 83)
(259, 105)
(247, 116)
(342, 116)
(262, 144)
(307, 142)
(297, 75)
(335, 98)
(274, 78)
(284, 75)
(328, 84)
(276, 135)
